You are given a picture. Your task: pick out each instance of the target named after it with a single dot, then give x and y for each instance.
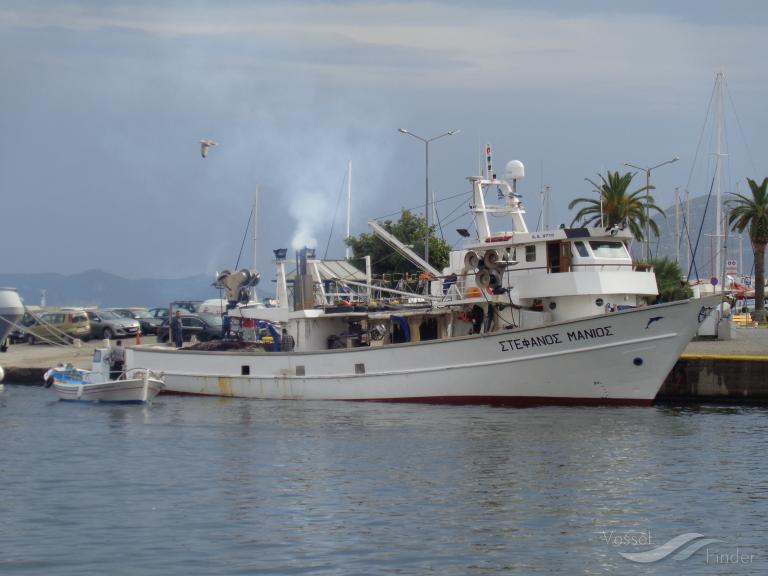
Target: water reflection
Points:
(193, 485)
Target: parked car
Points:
(20, 334)
(203, 327)
(158, 313)
(56, 326)
(148, 323)
(186, 307)
(190, 306)
(107, 324)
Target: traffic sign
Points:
(748, 281)
(731, 266)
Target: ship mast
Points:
(255, 236)
(719, 119)
(349, 207)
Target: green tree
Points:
(616, 206)
(752, 214)
(669, 279)
(409, 229)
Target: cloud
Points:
(104, 105)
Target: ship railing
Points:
(464, 282)
(601, 267)
(136, 372)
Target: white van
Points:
(212, 306)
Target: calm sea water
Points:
(220, 486)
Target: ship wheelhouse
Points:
(565, 273)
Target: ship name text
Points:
(512, 344)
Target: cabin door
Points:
(553, 257)
(559, 256)
(565, 257)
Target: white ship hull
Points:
(11, 311)
(617, 358)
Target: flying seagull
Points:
(204, 145)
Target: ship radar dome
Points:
(514, 170)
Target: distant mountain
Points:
(98, 288)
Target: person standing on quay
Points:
(176, 334)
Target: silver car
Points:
(107, 324)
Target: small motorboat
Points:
(135, 386)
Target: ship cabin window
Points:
(608, 249)
(581, 249)
(530, 253)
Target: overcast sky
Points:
(103, 104)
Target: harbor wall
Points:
(21, 375)
(715, 378)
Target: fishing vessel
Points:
(518, 317)
(134, 386)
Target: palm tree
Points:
(616, 207)
(669, 279)
(752, 213)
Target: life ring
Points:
(464, 317)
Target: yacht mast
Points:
(255, 235)
(688, 256)
(349, 207)
(719, 118)
(677, 225)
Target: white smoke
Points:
(315, 189)
(312, 212)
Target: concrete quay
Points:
(25, 364)
(725, 371)
(732, 371)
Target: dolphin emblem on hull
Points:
(652, 320)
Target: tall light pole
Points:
(426, 170)
(647, 171)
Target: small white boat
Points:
(136, 386)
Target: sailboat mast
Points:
(255, 231)
(349, 207)
(677, 225)
(688, 256)
(718, 172)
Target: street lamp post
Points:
(426, 170)
(647, 171)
